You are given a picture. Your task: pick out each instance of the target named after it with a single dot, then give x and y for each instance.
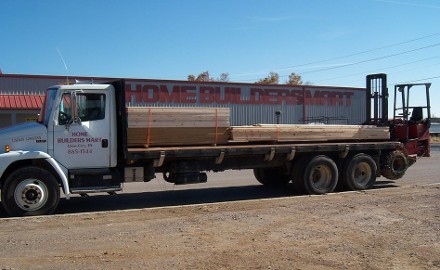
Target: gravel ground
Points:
(385, 228)
(395, 226)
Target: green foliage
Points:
(294, 79)
(205, 77)
(272, 78)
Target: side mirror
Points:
(75, 114)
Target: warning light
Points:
(7, 148)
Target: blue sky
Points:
(334, 42)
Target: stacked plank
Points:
(177, 126)
(308, 133)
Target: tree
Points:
(272, 78)
(204, 77)
(191, 78)
(224, 77)
(294, 79)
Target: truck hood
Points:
(27, 136)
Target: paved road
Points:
(225, 186)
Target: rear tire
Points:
(297, 173)
(359, 172)
(30, 191)
(320, 175)
(271, 177)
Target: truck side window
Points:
(91, 107)
(65, 111)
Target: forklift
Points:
(410, 123)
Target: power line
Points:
(419, 80)
(365, 61)
(363, 52)
(370, 60)
(369, 71)
(349, 55)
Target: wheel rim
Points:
(399, 164)
(362, 173)
(31, 194)
(321, 177)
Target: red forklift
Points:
(410, 123)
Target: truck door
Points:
(82, 140)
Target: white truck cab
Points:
(76, 132)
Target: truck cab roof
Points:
(82, 86)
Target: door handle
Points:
(104, 143)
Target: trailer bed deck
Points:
(256, 149)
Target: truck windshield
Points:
(47, 106)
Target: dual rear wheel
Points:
(316, 175)
(272, 177)
(359, 172)
(320, 174)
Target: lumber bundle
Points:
(308, 133)
(175, 126)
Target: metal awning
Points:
(21, 102)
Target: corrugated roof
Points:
(21, 102)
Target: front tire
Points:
(30, 191)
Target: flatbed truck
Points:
(79, 154)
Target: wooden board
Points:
(308, 133)
(186, 126)
(180, 136)
(173, 126)
(177, 117)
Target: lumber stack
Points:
(177, 126)
(308, 133)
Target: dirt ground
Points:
(386, 228)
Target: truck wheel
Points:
(272, 177)
(298, 172)
(320, 175)
(359, 172)
(394, 165)
(30, 191)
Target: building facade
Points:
(22, 97)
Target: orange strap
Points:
(149, 127)
(216, 126)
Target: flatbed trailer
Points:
(80, 145)
(288, 149)
(277, 164)
(220, 158)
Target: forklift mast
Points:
(377, 101)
